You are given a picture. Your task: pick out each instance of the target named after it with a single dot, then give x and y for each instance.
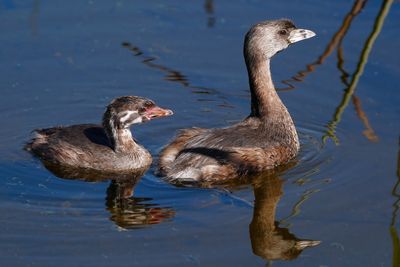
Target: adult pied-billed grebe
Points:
(106, 148)
(265, 139)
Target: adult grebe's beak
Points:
(299, 35)
(156, 112)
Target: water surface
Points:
(63, 62)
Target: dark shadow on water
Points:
(126, 211)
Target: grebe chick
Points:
(265, 139)
(109, 147)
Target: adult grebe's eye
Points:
(282, 32)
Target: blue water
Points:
(63, 62)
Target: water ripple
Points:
(314, 154)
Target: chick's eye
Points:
(282, 32)
(141, 110)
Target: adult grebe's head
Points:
(124, 111)
(266, 38)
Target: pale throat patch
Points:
(137, 120)
(128, 115)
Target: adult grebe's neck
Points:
(264, 99)
(265, 102)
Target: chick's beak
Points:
(156, 112)
(299, 35)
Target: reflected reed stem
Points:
(396, 205)
(335, 41)
(349, 91)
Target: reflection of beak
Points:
(156, 112)
(302, 244)
(299, 35)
